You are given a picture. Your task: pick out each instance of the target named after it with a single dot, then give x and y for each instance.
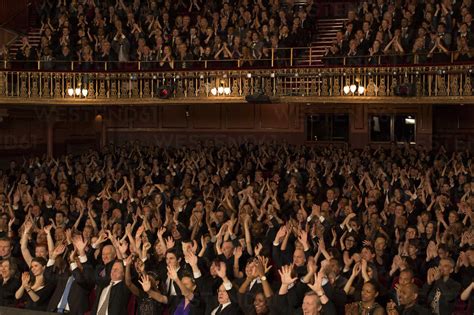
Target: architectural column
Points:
(50, 139)
(103, 134)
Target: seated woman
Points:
(35, 293)
(362, 273)
(167, 62)
(146, 304)
(9, 283)
(464, 52)
(187, 302)
(367, 305)
(260, 303)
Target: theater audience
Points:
(188, 27)
(440, 27)
(261, 229)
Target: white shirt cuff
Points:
(321, 219)
(73, 266)
(50, 262)
(197, 274)
(228, 285)
(83, 259)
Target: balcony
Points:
(281, 80)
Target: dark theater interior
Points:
(231, 157)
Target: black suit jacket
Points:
(232, 309)
(163, 276)
(7, 292)
(210, 299)
(118, 303)
(78, 298)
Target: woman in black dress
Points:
(35, 290)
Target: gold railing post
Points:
(310, 56)
(105, 67)
(291, 56)
(273, 56)
(139, 65)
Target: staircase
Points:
(34, 36)
(326, 34)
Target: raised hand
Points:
(285, 274)
(238, 251)
(25, 280)
(317, 286)
(262, 267)
(79, 244)
(145, 283)
(172, 273)
(356, 269)
(123, 247)
(58, 251)
(161, 231)
(221, 271)
(47, 228)
(258, 249)
(281, 233)
(191, 258)
(28, 226)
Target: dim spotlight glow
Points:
(361, 90)
(214, 91)
(353, 88)
(85, 92)
(70, 91)
(78, 91)
(347, 89)
(220, 90)
(227, 90)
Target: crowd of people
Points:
(405, 32)
(239, 228)
(167, 34)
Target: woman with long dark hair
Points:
(35, 289)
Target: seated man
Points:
(407, 295)
(440, 291)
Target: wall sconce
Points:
(221, 91)
(353, 88)
(77, 92)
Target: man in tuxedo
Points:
(168, 286)
(102, 271)
(331, 199)
(112, 298)
(74, 285)
(226, 301)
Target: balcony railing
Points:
(382, 81)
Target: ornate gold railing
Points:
(380, 82)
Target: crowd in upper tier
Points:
(239, 228)
(405, 32)
(167, 34)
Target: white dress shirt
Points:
(104, 293)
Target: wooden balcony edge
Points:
(235, 100)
